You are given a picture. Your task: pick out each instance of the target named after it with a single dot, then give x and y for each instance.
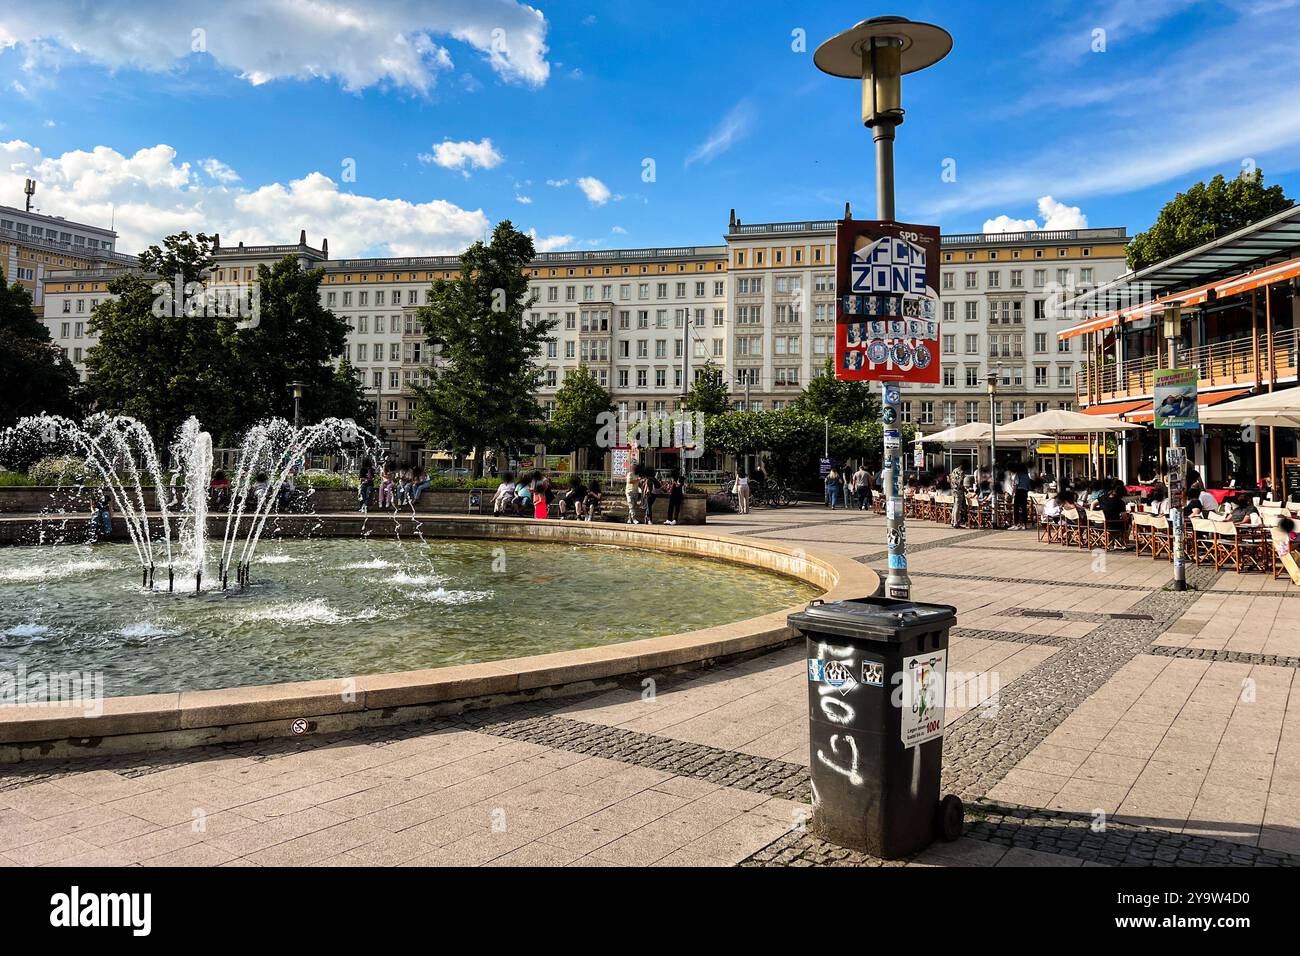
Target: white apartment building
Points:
(33, 244)
(645, 321)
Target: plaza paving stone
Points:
(1093, 719)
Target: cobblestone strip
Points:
(982, 746)
(1254, 594)
(1047, 831)
(726, 768)
(1089, 617)
(922, 546)
(1231, 657)
(1040, 582)
(1011, 637)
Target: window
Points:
(661, 379)
(1017, 278)
(641, 378)
(972, 344)
(1064, 377)
(972, 376)
(972, 412)
(67, 306)
(1040, 342)
(949, 311)
(1063, 345)
(995, 279)
(949, 281)
(949, 344)
(972, 280)
(972, 311)
(1040, 308)
(927, 413)
(949, 376)
(1040, 376)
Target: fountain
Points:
(372, 596)
(120, 453)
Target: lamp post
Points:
(878, 52)
(992, 378)
(1172, 320)
(297, 401)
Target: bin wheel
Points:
(951, 817)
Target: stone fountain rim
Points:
(193, 718)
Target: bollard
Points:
(198, 581)
(171, 580)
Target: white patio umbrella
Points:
(1275, 409)
(974, 433)
(1057, 422)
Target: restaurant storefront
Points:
(1238, 327)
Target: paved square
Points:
(1093, 719)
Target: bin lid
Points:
(873, 617)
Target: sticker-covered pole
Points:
(897, 584)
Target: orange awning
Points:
(1204, 399)
(1117, 408)
(1092, 325)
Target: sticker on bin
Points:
(923, 692)
(834, 673)
(873, 673)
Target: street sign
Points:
(886, 312)
(1174, 401)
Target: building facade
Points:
(761, 307)
(32, 245)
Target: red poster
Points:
(887, 303)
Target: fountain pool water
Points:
(338, 608)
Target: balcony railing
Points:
(1232, 362)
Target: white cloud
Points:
(735, 126)
(1056, 215)
(361, 43)
(219, 171)
(151, 193)
(557, 183)
(597, 193)
(549, 243)
(619, 231)
(526, 200)
(464, 155)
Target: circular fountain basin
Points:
(406, 619)
(339, 608)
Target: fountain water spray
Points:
(120, 453)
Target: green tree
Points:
(37, 376)
(1205, 212)
(294, 338)
(579, 404)
(155, 361)
(843, 402)
(708, 394)
(484, 396)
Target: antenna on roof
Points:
(29, 188)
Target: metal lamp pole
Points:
(297, 401)
(878, 52)
(1173, 320)
(992, 380)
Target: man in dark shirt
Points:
(1112, 506)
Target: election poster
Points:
(887, 303)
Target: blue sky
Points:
(117, 118)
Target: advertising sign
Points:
(620, 461)
(1175, 398)
(924, 678)
(886, 312)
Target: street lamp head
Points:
(879, 51)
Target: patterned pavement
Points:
(1094, 719)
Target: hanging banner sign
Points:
(886, 312)
(1174, 401)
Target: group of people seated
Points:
(1110, 497)
(532, 495)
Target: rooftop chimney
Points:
(302, 237)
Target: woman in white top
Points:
(741, 487)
